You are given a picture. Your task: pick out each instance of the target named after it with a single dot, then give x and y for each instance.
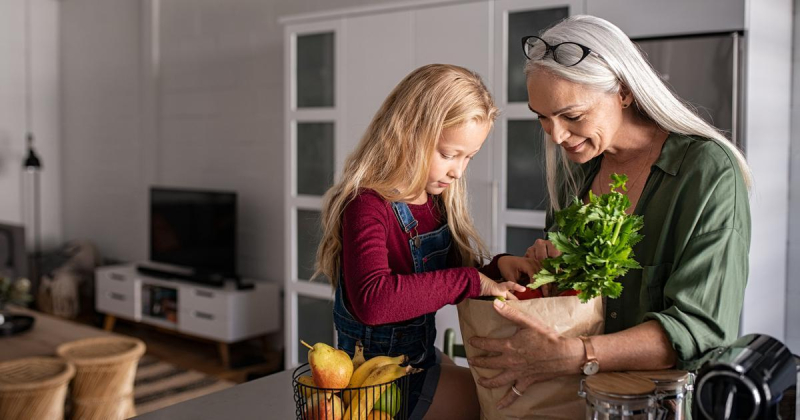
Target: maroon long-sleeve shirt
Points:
(379, 277)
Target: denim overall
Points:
(415, 337)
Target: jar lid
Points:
(665, 379)
(620, 384)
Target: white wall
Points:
(193, 98)
(766, 132)
(104, 188)
(45, 112)
(793, 282)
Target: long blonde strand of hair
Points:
(393, 157)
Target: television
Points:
(194, 229)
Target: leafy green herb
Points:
(596, 242)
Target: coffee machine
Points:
(754, 378)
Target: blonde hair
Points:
(393, 157)
(622, 64)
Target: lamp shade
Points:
(32, 161)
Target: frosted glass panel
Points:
(309, 233)
(315, 64)
(314, 158)
(314, 324)
(522, 24)
(519, 239)
(525, 177)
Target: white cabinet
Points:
(225, 315)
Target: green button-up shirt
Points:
(694, 254)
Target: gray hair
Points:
(621, 64)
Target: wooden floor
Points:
(200, 354)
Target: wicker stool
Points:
(105, 370)
(34, 388)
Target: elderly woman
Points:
(606, 111)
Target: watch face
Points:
(591, 367)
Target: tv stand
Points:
(225, 314)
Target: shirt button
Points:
(614, 315)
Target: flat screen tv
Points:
(194, 229)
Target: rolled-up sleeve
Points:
(704, 296)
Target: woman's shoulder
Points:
(696, 155)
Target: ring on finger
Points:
(515, 390)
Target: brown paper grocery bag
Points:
(555, 399)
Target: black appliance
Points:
(194, 229)
(754, 378)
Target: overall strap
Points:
(404, 216)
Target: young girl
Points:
(398, 243)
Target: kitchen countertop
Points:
(270, 397)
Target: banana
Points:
(370, 365)
(379, 379)
(363, 371)
(358, 358)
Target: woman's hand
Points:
(490, 287)
(516, 269)
(535, 353)
(536, 253)
(540, 250)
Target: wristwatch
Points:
(591, 366)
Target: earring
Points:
(625, 105)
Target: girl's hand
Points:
(535, 353)
(516, 269)
(490, 287)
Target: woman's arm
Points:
(537, 353)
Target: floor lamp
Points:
(32, 168)
(32, 165)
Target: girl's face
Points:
(457, 146)
(582, 121)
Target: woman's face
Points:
(455, 149)
(581, 120)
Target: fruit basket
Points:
(387, 401)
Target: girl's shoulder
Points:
(368, 201)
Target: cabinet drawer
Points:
(203, 324)
(116, 280)
(204, 300)
(111, 301)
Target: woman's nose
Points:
(558, 134)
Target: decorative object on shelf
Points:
(15, 292)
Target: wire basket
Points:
(314, 403)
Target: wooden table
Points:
(47, 333)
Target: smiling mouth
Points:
(574, 148)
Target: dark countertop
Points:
(270, 397)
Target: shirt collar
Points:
(673, 153)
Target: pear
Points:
(330, 368)
(323, 409)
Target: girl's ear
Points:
(625, 95)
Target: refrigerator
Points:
(706, 71)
